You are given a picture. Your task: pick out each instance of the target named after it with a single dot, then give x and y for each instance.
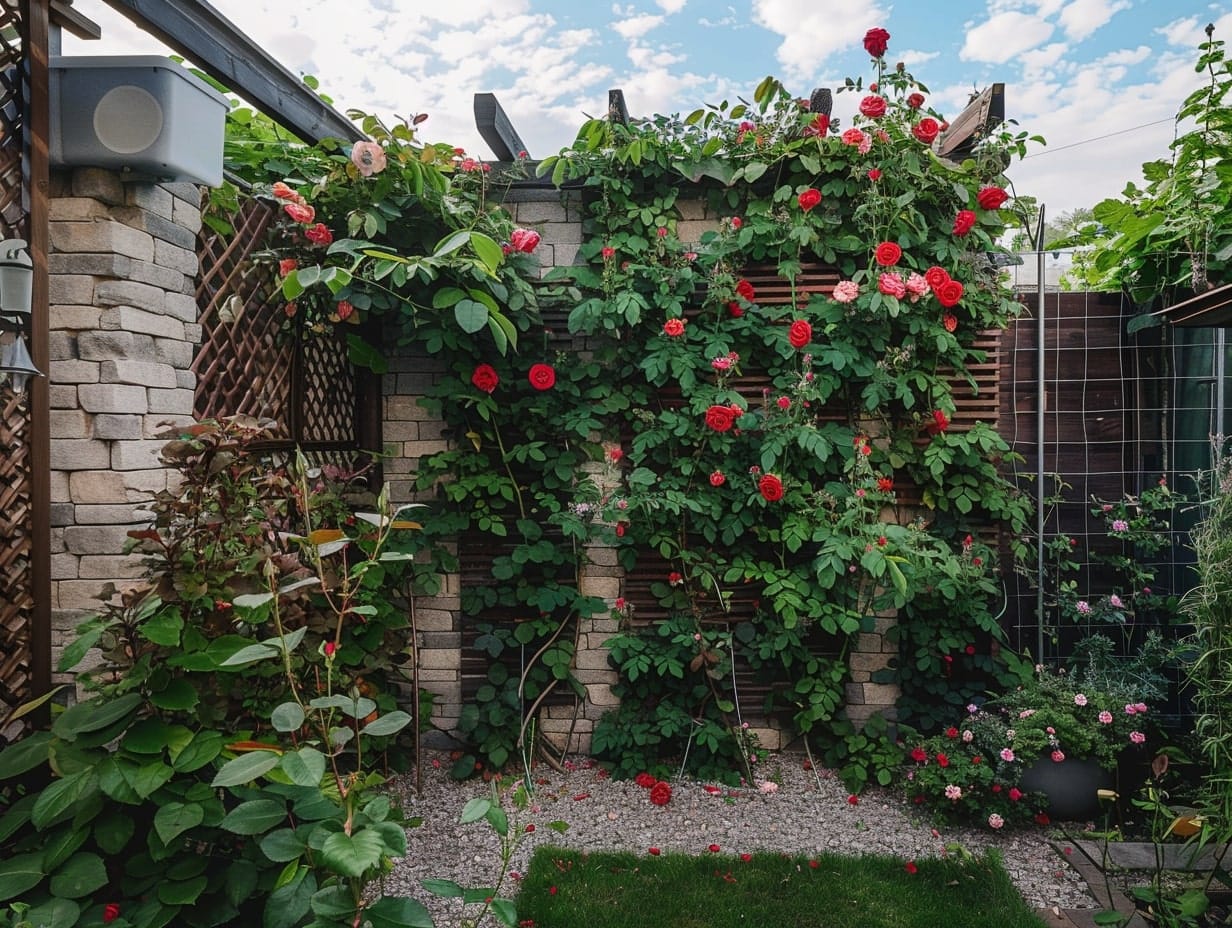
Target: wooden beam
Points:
(497, 130)
(64, 16)
(37, 132)
(617, 109)
(821, 101)
(200, 33)
(969, 127)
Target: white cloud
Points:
(671, 6)
(1128, 55)
(637, 26)
(1084, 17)
(815, 29)
(1190, 32)
(1040, 62)
(913, 57)
(1005, 36)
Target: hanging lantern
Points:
(16, 362)
(16, 278)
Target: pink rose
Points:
(300, 212)
(892, 285)
(524, 240)
(369, 157)
(845, 291)
(319, 234)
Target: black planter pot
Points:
(1072, 786)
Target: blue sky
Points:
(1074, 70)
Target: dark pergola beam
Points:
(617, 109)
(985, 111)
(497, 130)
(64, 16)
(199, 32)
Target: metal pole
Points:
(1040, 404)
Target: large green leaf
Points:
(55, 913)
(388, 724)
(305, 767)
(288, 716)
(59, 798)
(62, 844)
(447, 889)
(82, 875)
(398, 913)
(112, 831)
(246, 768)
(175, 818)
(352, 854)
(181, 892)
(164, 628)
(487, 250)
(94, 714)
(203, 748)
(145, 779)
(25, 755)
(149, 736)
(471, 316)
(255, 816)
(19, 874)
(282, 846)
(287, 904)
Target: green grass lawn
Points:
(569, 889)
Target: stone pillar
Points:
(123, 331)
(873, 652)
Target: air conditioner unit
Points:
(143, 115)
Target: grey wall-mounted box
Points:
(142, 115)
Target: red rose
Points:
(873, 106)
(485, 378)
(344, 311)
(951, 732)
(319, 234)
(300, 212)
(936, 276)
(720, 418)
(714, 849)
(771, 488)
(283, 192)
(853, 800)
(736, 222)
(607, 251)
(735, 310)
(111, 911)
(950, 322)
(541, 376)
(991, 197)
(926, 130)
(964, 222)
(919, 755)
(949, 293)
(819, 126)
(911, 868)
(673, 328)
(745, 289)
(915, 101)
(661, 793)
(809, 198)
(875, 41)
(885, 484)
(717, 479)
(524, 240)
(942, 760)
(940, 423)
(645, 780)
(653, 851)
(286, 266)
(888, 254)
(800, 333)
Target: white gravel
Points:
(807, 813)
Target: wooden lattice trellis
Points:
(253, 360)
(16, 478)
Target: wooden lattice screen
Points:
(256, 360)
(16, 476)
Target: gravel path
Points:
(807, 813)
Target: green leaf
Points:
(250, 655)
(55, 913)
(76, 652)
(471, 316)
(289, 903)
(350, 855)
(25, 755)
(179, 695)
(487, 250)
(282, 846)
(398, 913)
(94, 714)
(181, 892)
(203, 748)
(62, 795)
(246, 768)
(289, 716)
(388, 724)
(506, 911)
(305, 767)
(475, 809)
(254, 817)
(252, 600)
(112, 832)
(149, 736)
(145, 779)
(451, 243)
(446, 889)
(20, 874)
(82, 875)
(175, 818)
(364, 355)
(164, 628)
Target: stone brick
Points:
(433, 620)
(769, 738)
(182, 306)
(109, 515)
(111, 567)
(65, 372)
(603, 587)
(597, 677)
(60, 396)
(76, 209)
(395, 430)
(173, 402)
(880, 694)
(61, 346)
(151, 197)
(593, 659)
(130, 293)
(867, 642)
(176, 353)
(186, 380)
(70, 288)
(189, 193)
(854, 695)
(440, 658)
(599, 694)
(691, 210)
(188, 214)
(61, 515)
(130, 319)
(602, 556)
(529, 214)
(136, 455)
(68, 423)
(113, 397)
(562, 233)
(81, 594)
(60, 487)
(156, 426)
(141, 484)
(74, 318)
(192, 333)
(79, 454)
(97, 486)
(144, 373)
(183, 260)
(404, 408)
(64, 566)
(98, 184)
(112, 345)
(95, 539)
(102, 236)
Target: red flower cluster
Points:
(745, 289)
(947, 290)
(319, 234)
(661, 793)
(721, 418)
(939, 424)
(541, 376)
(485, 378)
(645, 780)
(524, 240)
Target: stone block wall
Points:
(123, 330)
(410, 433)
